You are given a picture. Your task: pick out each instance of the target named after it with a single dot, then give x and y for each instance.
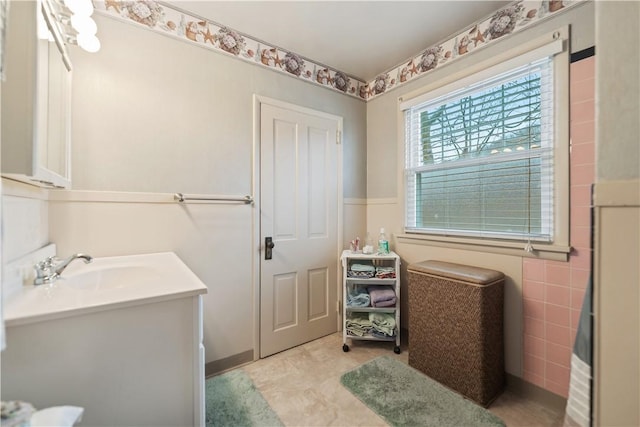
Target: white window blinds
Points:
(479, 159)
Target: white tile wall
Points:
(25, 228)
(25, 221)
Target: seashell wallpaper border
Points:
(164, 19)
(508, 20)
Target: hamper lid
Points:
(467, 273)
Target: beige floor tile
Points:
(302, 385)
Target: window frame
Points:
(558, 248)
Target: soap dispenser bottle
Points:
(383, 243)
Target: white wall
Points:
(24, 228)
(384, 174)
(213, 240)
(155, 115)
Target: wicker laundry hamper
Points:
(456, 327)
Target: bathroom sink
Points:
(105, 283)
(110, 277)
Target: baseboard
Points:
(404, 336)
(537, 394)
(218, 366)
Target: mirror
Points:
(54, 155)
(36, 131)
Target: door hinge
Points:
(339, 306)
(338, 137)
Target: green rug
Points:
(404, 396)
(233, 400)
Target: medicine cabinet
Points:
(36, 100)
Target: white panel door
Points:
(299, 206)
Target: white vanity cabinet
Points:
(36, 101)
(141, 365)
(121, 337)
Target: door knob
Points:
(268, 244)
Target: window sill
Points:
(540, 251)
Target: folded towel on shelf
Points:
(383, 322)
(387, 303)
(385, 272)
(382, 296)
(379, 334)
(361, 319)
(362, 270)
(357, 296)
(358, 324)
(362, 267)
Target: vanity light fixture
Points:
(80, 7)
(72, 20)
(84, 25)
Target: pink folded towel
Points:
(382, 296)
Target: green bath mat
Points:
(233, 400)
(404, 396)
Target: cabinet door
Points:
(36, 131)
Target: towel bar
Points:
(181, 198)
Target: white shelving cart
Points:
(349, 258)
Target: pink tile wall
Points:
(553, 291)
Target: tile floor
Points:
(302, 385)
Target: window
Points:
(481, 155)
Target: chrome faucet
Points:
(50, 269)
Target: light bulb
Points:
(88, 42)
(84, 25)
(80, 7)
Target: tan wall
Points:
(617, 304)
(382, 122)
(384, 185)
(618, 88)
(156, 115)
(215, 241)
(146, 103)
(617, 200)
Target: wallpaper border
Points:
(506, 21)
(163, 18)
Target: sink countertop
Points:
(106, 283)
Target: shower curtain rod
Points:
(182, 198)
